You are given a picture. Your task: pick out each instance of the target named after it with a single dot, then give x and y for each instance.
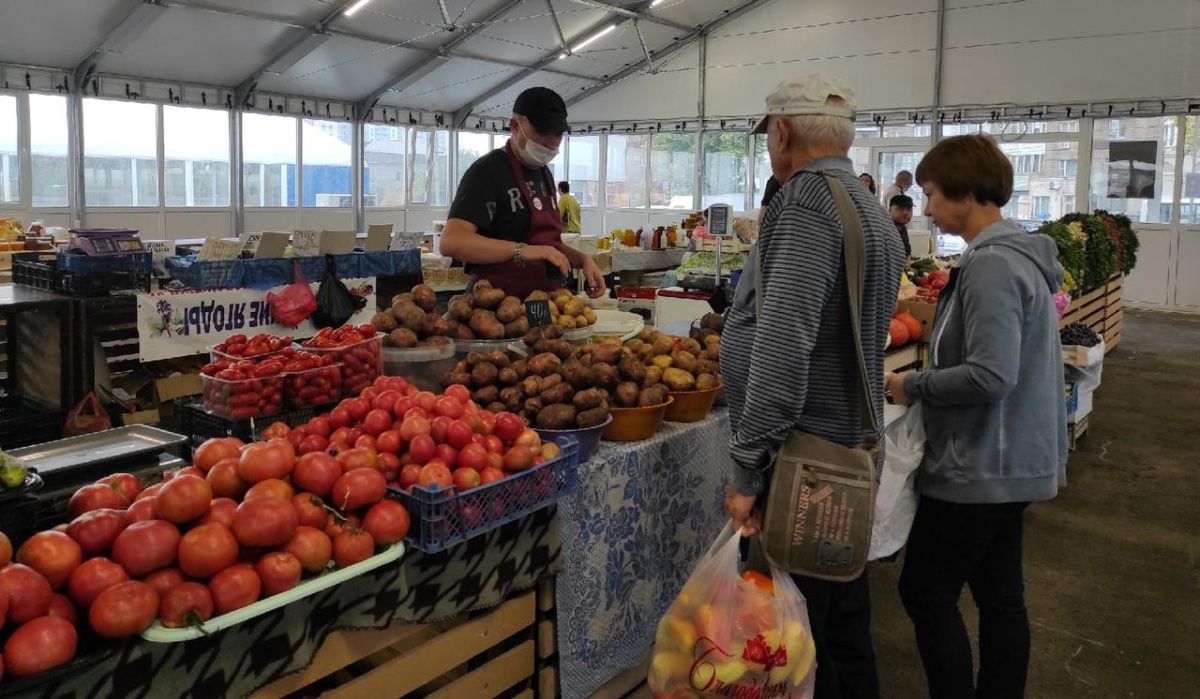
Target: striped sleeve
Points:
(797, 282)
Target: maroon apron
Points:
(545, 228)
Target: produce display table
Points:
(644, 514)
(633, 260)
(477, 574)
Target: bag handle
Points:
(853, 256)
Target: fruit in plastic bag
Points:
(730, 635)
(296, 302)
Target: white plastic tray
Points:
(623, 324)
(158, 633)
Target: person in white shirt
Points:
(902, 184)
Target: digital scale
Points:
(720, 217)
(101, 242)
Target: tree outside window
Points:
(672, 165)
(725, 169)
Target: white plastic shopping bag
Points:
(896, 498)
(730, 635)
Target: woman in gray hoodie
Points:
(995, 424)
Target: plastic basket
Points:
(197, 424)
(422, 367)
(362, 362)
(312, 387)
(18, 519)
(24, 422)
(215, 274)
(40, 270)
(445, 517)
(86, 265)
(245, 399)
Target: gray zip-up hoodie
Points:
(993, 405)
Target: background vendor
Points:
(505, 223)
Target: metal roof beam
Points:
(137, 16)
(636, 14)
(291, 54)
(668, 51)
(438, 55)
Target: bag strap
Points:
(853, 256)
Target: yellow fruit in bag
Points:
(732, 671)
(675, 632)
(803, 663)
(667, 665)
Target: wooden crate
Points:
(1075, 432)
(906, 357)
(1082, 306)
(480, 655)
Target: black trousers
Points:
(979, 545)
(840, 615)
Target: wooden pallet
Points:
(1075, 432)
(495, 653)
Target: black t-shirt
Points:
(489, 197)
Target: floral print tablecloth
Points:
(644, 514)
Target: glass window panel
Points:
(120, 148)
(472, 145)
(762, 168)
(1020, 128)
(10, 161)
(384, 148)
(1133, 168)
(908, 131)
(725, 169)
(196, 156)
(440, 187)
(672, 171)
(326, 151)
(1190, 196)
(422, 165)
(269, 154)
(625, 172)
(48, 146)
(1043, 179)
(584, 164)
(891, 163)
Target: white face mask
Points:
(535, 154)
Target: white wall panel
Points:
(326, 219)
(1187, 281)
(422, 219)
(283, 220)
(1148, 283)
(396, 217)
(148, 224)
(197, 224)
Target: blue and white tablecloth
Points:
(644, 514)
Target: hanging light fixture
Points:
(349, 11)
(586, 42)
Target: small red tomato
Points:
(189, 604)
(278, 571)
(92, 577)
(235, 587)
(352, 546)
(450, 407)
(387, 522)
(389, 441)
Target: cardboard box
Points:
(177, 386)
(1083, 407)
(141, 417)
(1078, 356)
(924, 312)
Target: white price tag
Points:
(215, 249)
(306, 243)
(407, 240)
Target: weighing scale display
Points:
(718, 220)
(127, 245)
(102, 245)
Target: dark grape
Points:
(1078, 334)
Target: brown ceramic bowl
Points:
(635, 424)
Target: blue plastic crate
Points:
(1072, 398)
(85, 265)
(216, 274)
(444, 517)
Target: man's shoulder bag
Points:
(817, 520)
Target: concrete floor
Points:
(1111, 575)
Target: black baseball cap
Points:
(544, 108)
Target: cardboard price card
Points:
(537, 312)
(306, 243)
(215, 249)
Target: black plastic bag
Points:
(335, 303)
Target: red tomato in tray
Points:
(92, 577)
(270, 488)
(95, 497)
(207, 549)
(165, 580)
(125, 483)
(186, 605)
(414, 426)
(435, 473)
(358, 488)
(465, 479)
(271, 459)
(183, 499)
(358, 457)
(53, 554)
(278, 571)
(61, 606)
(224, 480)
(508, 427)
(144, 547)
(221, 511)
(235, 587)
(387, 522)
(96, 531)
(389, 441)
(28, 592)
(310, 510)
(352, 546)
(422, 448)
(312, 547)
(458, 392)
(142, 510)
(40, 645)
(123, 610)
(316, 473)
(214, 450)
(265, 522)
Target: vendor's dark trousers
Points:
(840, 615)
(979, 545)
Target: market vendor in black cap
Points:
(505, 223)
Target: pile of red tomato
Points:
(239, 347)
(244, 521)
(357, 348)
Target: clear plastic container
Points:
(312, 387)
(362, 362)
(422, 367)
(215, 355)
(241, 400)
(464, 347)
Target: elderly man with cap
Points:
(788, 359)
(505, 223)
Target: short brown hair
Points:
(968, 166)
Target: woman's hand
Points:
(593, 278)
(894, 385)
(531, 253)
(741, 511)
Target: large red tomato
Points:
(508, 427)
(358, 457)
(265, 522)
(271, 459)
(142, 510)
(6, 550)
(358, 488)
(339, 417)
(448, 406)
(40, 645)
(387, 522)
(96, 496)
(61, 606)
(389, 442)
(144, 547)
(352, 546)
(358, 407)
(206, 549)
(319, 426)
(183, 499)
(214, 450)
(310, 510)
(165, 580)
(123, 610)
(413, 426)
(270, 488)
(28, 592)
(435, 474)
(458, 434)
(377, 421)
(316, 473)
(126, 483)
(385, 400)
(312, 443)
(53, 554)
(422, 448)
(278, 571)
(96, 531)
(92, 577)
(221, 510)
(447, 454)
(458, 392)
(187, 605)
(518, 458)
(152, 491)
(409, 475)
(312, 547)
(224, 480)
(234, 588)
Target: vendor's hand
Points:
(531, 253)
(593, 278)
(894, 385)
(741, 511)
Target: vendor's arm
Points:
(993, 309)
(797, 282)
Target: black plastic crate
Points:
(197, 424)
(40, 270)
(24, 422)
(18, 519)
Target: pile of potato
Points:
(487, 313)
(681, 364)
(567, 311)
(710, 324)
(412, 322)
